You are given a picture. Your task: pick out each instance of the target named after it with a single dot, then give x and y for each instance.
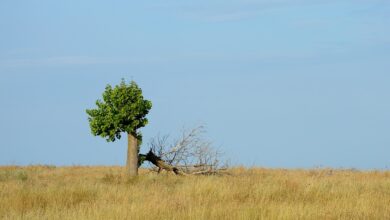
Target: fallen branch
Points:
(190, 154)
(161, 164)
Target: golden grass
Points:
(44, 192)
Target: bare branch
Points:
(190, 154)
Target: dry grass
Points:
(44, 192)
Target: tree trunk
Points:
(132, 155)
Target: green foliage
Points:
(141, 159)
(123, 109)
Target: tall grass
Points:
(41, 192)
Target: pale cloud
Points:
(68, 61)
(59, 61)
(228, 10)
(232, 10)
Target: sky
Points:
(277, 83)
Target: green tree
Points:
(123, 109)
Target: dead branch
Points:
(162, 165)
(189, 154)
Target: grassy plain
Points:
(48, 192)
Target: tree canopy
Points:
(123, 109)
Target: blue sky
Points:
(279, 83)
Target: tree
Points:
(123, 109)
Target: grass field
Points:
(48, 192)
